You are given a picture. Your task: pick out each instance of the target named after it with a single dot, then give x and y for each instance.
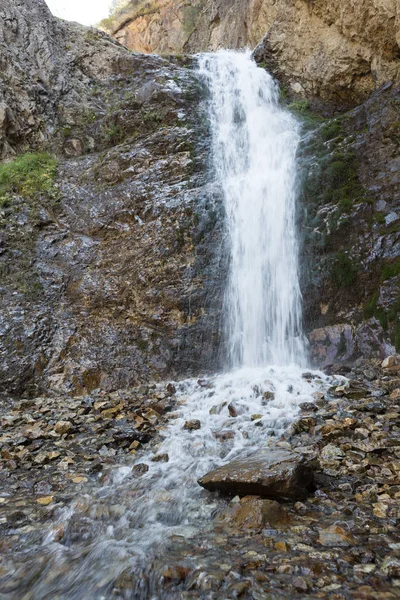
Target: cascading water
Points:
(255, 144)
(159, 517)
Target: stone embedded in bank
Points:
(275, 474)
(253, 512)
(391, 364)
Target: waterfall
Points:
(254, 148)
(160, 516)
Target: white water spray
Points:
(159, 513)
(254, 148)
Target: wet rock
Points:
(140, 469)
(171, 389)
(224, 435)
(335, 536)
(256, 417)
(274, 474)
(160, 458)
(308, 407)
(253, 512)
(218, 408)
(175, 573)
(267, 396)
(192, 425)
(234, 409)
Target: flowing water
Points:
(153, 519)
(255, 144)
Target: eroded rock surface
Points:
(104, 284)
(273, 474)
(340, 50)
(350, 226)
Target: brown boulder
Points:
(253, 512)
(275, 474)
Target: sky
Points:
(87, 12)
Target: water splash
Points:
(254, 148)
(131, 526)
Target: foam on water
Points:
(254, 148)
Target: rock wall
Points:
(114, 277)
(350, 221)
(334, 50)
(159, 27)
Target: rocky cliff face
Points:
(329, 58)
(108, 264)
(341, 50)
(351, 229)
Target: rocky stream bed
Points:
(71, 469)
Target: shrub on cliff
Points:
(28, 175)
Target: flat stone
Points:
(274, 474)
(45, 501)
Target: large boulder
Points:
(275, 474)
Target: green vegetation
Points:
(300, 106)
(119, 8)
(28, 175)
(114, 134)
(344, 271)
(388, 319)
(397, 337)
(331, 130)
(391, 270)
(152, 116)
(335, 181)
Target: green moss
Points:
(142, 345)
(345, 204)
(152, 116)
(388, 319)
(380, 217)
(114, 134)
(28, 175)
(397, 337)
(330, 130)
(300, 106)
(391, 270)
(370, 306)
(344, 272)
(66, 130)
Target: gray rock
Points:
(274, 474)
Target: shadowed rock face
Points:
(350, 223)
(273, 474)
(113, 281)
